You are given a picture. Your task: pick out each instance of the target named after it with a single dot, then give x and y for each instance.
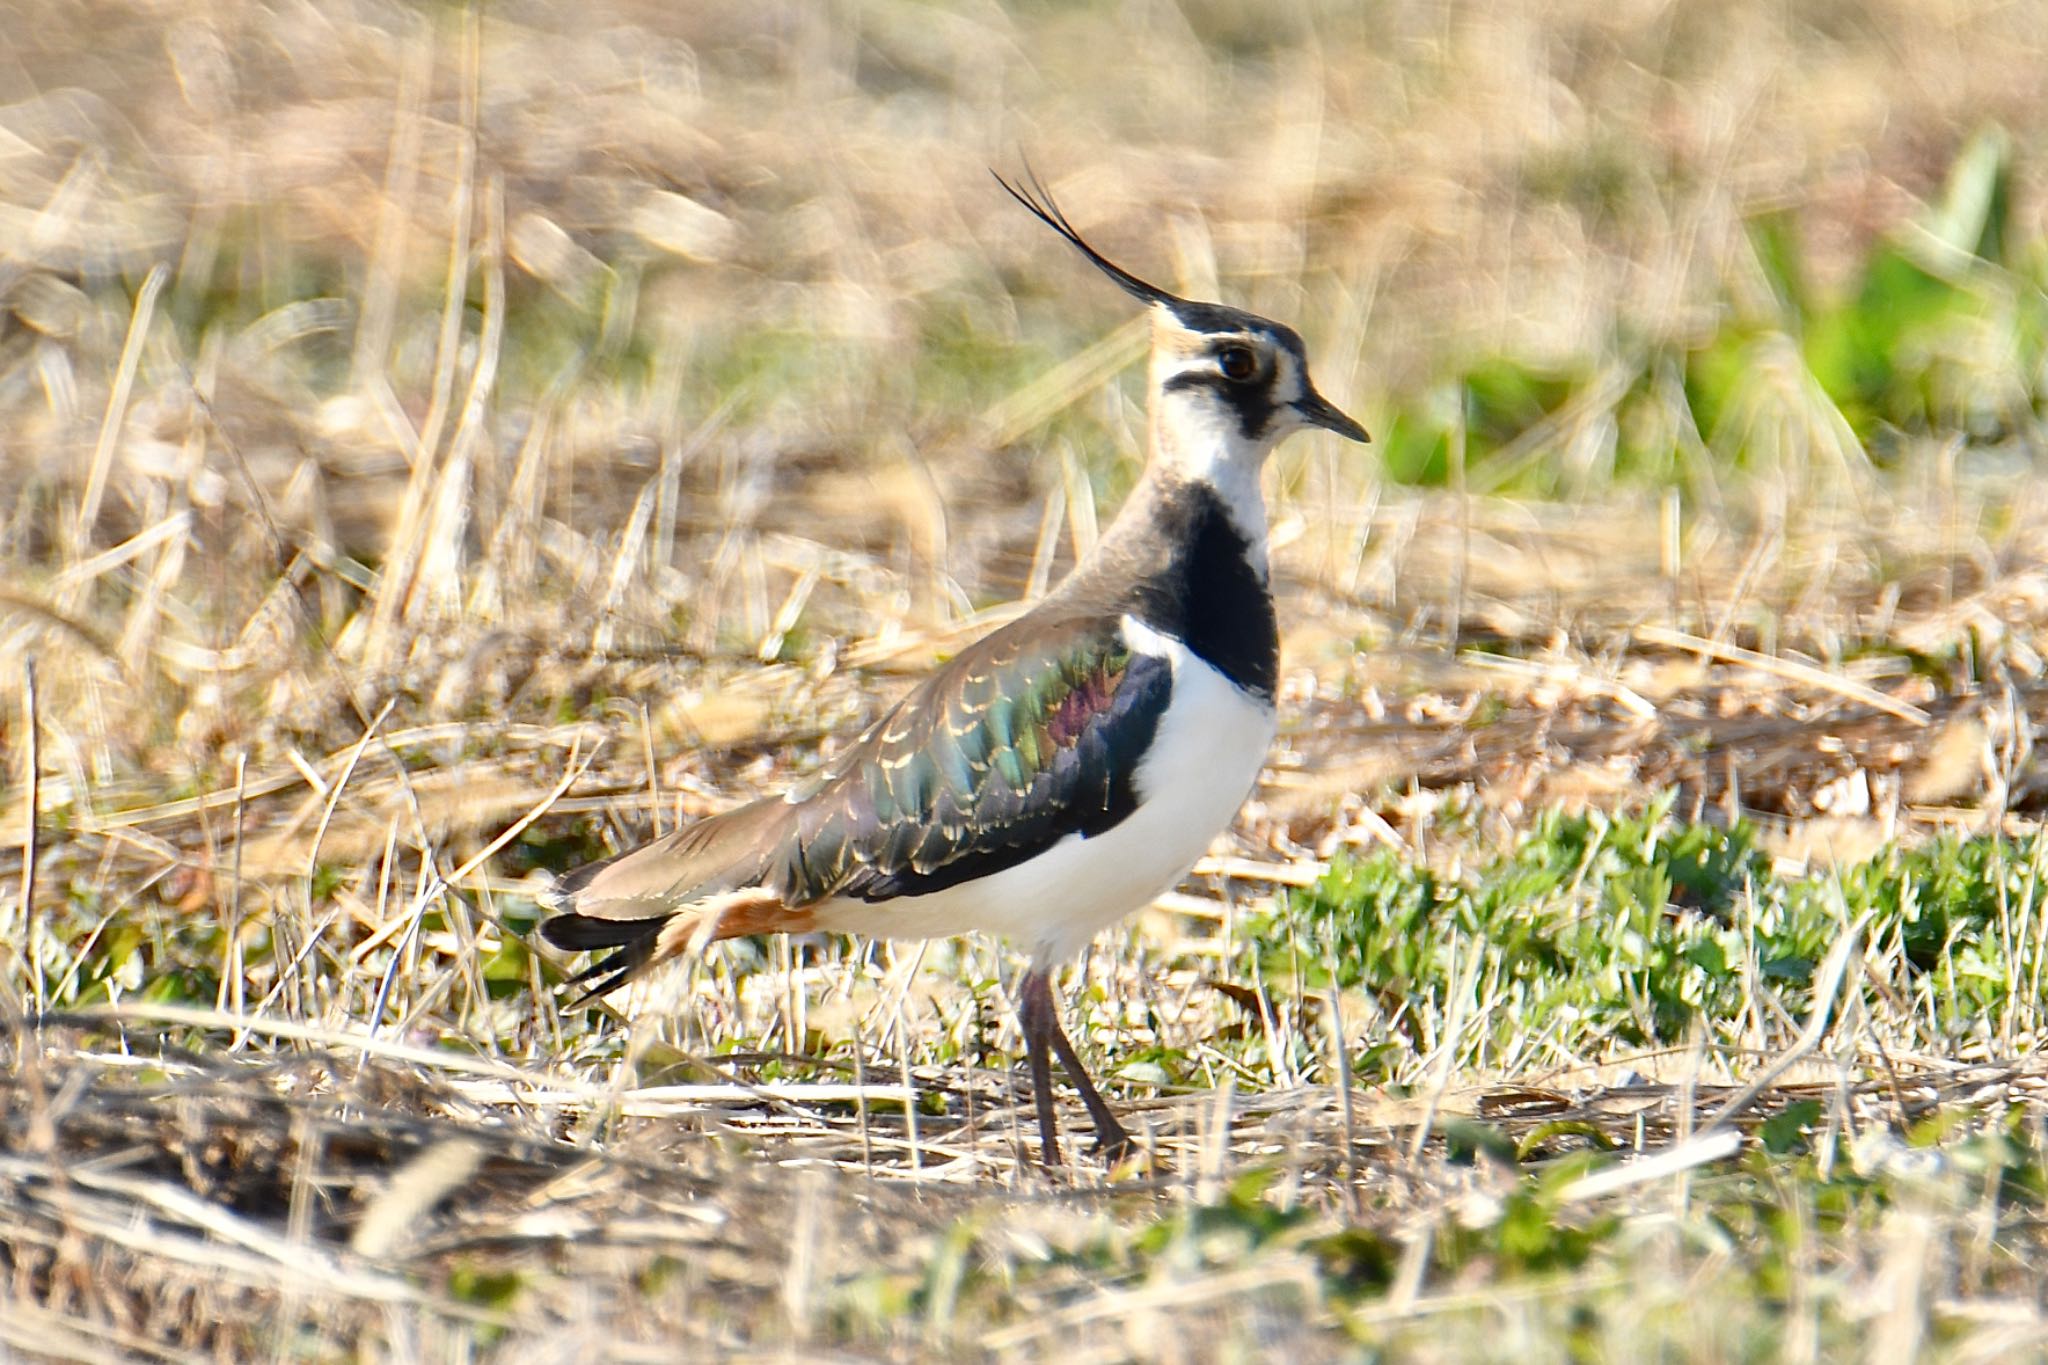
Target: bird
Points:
(1060, 772)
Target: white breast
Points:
(1201, 765)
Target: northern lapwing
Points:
(1060, 772)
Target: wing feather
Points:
(1013, 747)
(1018, 743)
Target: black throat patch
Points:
(1208, 595)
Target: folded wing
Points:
(1025, 738)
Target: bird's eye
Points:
(1237, 363)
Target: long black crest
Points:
(1036, 197)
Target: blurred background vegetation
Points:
(555, 321)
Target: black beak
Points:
(1319, 411)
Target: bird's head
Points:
(1227, 385)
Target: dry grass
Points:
(436, 448)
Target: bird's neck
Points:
(1156, 517)
(1199, 448)
(1184, 561)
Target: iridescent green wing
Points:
(1026, 737)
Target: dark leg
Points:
(1112, 1141)
(1035, 1013)
(1040, 1019)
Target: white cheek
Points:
(1207, 433)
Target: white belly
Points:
(1201, 765)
